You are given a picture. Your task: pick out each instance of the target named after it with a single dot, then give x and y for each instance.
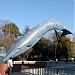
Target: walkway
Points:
(16, 73)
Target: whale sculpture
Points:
(29, 39)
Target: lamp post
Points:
(54, 51)
(56, 43)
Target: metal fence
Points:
(46, 71)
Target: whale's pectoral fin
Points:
(28, 45)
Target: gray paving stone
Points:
(16, 73)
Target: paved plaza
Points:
(16, 73)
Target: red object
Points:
(3, 68)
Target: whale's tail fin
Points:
(65, 32)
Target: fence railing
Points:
(46, 71)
